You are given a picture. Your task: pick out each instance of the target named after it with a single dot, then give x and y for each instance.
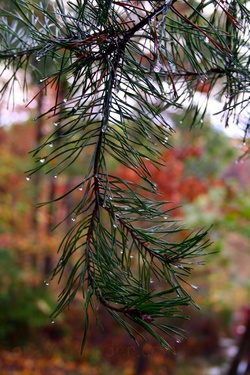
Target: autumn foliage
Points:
(175, 185)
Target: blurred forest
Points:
(207, 181)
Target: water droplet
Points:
(56, 123)
(43, 79)
(115, 225)
(73, 218)
(178, 341)
(206, 40)
(157, 68)
(51, 145)
(131, 256)
(38, 58)
(110, 198)
(52, 321)
(181, 122)
(165, 217)
(28, 178)
(42, 160)
(81, 188)
(55, 176)
(202, 121)
(151, 281)
(65, 100)
(194, 286)
(46, 282)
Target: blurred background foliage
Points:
(209, 185)
(203, 175)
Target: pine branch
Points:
(117, 58)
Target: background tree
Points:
(127, 64)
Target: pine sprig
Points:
(123, 65)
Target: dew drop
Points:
(28, 178)
(178, 341)
(131, 256)
(65, 100)
(46, 282)
(38, 58)
(110, 198)
(43, 79)
(55, 176)
(165, 217)
(52, 321)
(115, 225)
(181, 122)
(81, 188)
(51, 145)
(151, 281)
(56, 123)
(42, 160)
